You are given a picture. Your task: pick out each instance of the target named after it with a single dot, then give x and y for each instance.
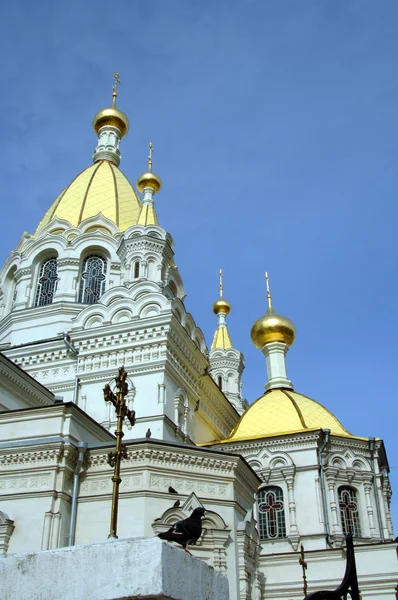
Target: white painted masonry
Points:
(121, 569)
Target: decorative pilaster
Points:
(387, 493)
(45, 540)
(6, 531)
(331, 474)
(249, 550)
(23, 278)
(56, 527)
(293, 535)
(367, 486)
(68, 269)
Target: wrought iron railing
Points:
(349, 586)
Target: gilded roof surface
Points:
(147, 216)
(221, 339)
(102, 187)
(281, 412)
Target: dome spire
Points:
(114, 88)
(111, 124)
(221, 308)
(148, 183)
(269, 297)
(273, 334)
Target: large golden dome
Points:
(281, 412)
(102, 187)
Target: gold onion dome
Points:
(111, 116)
(221, 305)
(272, 327)
(149, 179)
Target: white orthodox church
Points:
(95, 287)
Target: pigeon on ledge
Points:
(187, 531)
(172, 490)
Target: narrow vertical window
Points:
(271, 513)
(92, 283)
(219, 382)
(136, 269)
(349, 511)
(47, 284)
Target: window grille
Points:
(136, 270)
(349, 511)
(92, 283)
(219, 381)
(47, 284)
(271, 514)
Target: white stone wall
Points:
(143, 568)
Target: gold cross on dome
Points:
(150, 156)
(269, 299)
(221, 286)
(115, 86)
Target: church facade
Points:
(96, 287)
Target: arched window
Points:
(349, 511)
(219, 382)
(136, 269)
(92, 283)
(271, 513)
(47, 284)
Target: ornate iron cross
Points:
(114, 458)
(303, 564)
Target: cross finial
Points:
(150, 157)
(303, 565)
(221, 286)
(115, 86)
(269, 298)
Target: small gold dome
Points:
(149, 179)
(111, 116)
(221, 306)
(272, 328)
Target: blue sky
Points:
(275, 133)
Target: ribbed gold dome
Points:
(272, 328)
(281, 412)
(149, 179)
(221, 306)
(111, 116)
(102, 187)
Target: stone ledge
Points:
(113, 570)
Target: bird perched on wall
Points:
(187, 531)
(176, 504)
(172, 490)
(148, 433)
